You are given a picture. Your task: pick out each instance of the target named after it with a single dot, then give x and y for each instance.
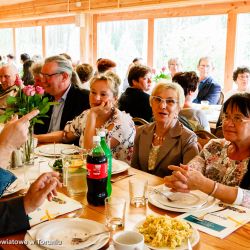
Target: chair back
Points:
(221, 99)
(139, 121)
(203, 137)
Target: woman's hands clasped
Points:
(103, 109)
(183, 179)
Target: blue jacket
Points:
(209, 90)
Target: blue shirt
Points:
(56, 116)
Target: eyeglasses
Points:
(236, 119)
(169, 101)
(49, 75)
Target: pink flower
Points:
(18, 81)
(29, 90)
(163, 68)
(39, 90)
(154, 71)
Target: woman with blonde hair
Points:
(165, 141)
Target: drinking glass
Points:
(115, 213)
(74, 173)
(137, 192)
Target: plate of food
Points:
(165, 233)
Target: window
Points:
(190, 38)
(242, 56)
(6, 42)
(63, 39)
(122, 41)
(29, 40)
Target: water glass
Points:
(138, 192)
(74, 173)
(115, 213)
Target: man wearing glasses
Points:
(60, 82)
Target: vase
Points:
(28, 148)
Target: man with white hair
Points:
(8, 78)
(60, 82)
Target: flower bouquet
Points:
(161, 75)
(27, 99)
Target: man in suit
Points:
(60, 82)
(14, 212)
(208, 88)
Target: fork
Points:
(78, 240)
(164, 195)
(203, 216)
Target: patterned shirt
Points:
(123, 130)
(214, 163)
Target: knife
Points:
(121, 177)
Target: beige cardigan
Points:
(179, 146)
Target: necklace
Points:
(159, 138)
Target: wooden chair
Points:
(203, 137)
(221, 99)
(139, 121)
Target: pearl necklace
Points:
(159, 138)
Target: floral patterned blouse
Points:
(123, 131)
(215, 164)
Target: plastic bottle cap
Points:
(102, 133)
(96, 138)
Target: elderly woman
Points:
(196, 118)
(222, 169)
(241, 78)
(135, 100)
(174, 66)
(102, 115)
(165, 141)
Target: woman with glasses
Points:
(222, 169)
(165, 141)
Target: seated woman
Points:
(223, 167)
(102, 115)
(196, 117)
(165, 141)
(135, 100)
(241, 78)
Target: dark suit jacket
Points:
(209, 90)
(13, 216)
(179, 146)
(136, 103)
(76, 102)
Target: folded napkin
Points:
(61, 204)
(6, 179)
(219, 220)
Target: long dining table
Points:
(238, 240)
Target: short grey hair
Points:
(64, 65)
(172, 85)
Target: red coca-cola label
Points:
(97, 171)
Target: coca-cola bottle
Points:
(97, 174)
(108, 154)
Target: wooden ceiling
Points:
(37, 9)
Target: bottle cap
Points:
(96, 138)
(102, 133)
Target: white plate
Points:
(62, 232)
(194, 239)
(182, 200)
(160, 202)
(119, 166)
(52, 150)
(16, 186)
